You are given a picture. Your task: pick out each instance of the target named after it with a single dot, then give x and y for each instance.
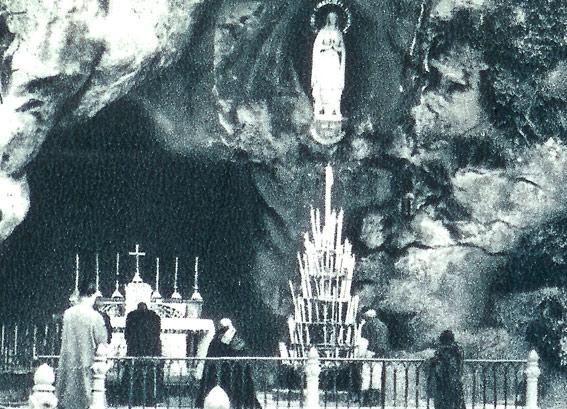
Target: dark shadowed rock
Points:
(63, 63)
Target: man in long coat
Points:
(234, 377)
(83, 331)
(143, 380)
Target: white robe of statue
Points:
(328, 70)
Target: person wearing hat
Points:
(234, 377)
(375, 333)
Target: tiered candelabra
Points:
(324, 309)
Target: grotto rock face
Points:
(436, 210)
(14, 204)
(62, 62)
(454, 153)
(262, 62)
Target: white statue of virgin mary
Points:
(328, 70)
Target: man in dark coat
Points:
(446, 373)
(234, 377)
(142, 378)
(142, 333)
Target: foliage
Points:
(548, 332)
(486, 343)
(522, 42)
(539, 259)
(525, 41)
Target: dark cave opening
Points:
(106, 185)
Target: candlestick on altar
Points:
(196, 285)
(77, 273)
(156, 294)
(196, 296)
(117, 293)
(74, 297)
(176, 294)
(34, 341)
(157, 274)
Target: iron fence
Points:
(282, 383)
(407, 383)
(21, 342)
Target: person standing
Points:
(142, 380)
(106, 318)
(83, 331)
(376, 334)
(142, 332)
(234, 377)
(446, 373)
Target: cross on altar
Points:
(137, 254)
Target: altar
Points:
(183, 332)
(180, 338)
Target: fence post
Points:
(532, 374)
(43, 392)
(217, 399)
(99, 369)
(312, 371)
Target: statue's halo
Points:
(326, 6)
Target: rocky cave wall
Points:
(454, 152)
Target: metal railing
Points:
(270, 382)
(182, 382)
(20, 342)
(406, 383)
